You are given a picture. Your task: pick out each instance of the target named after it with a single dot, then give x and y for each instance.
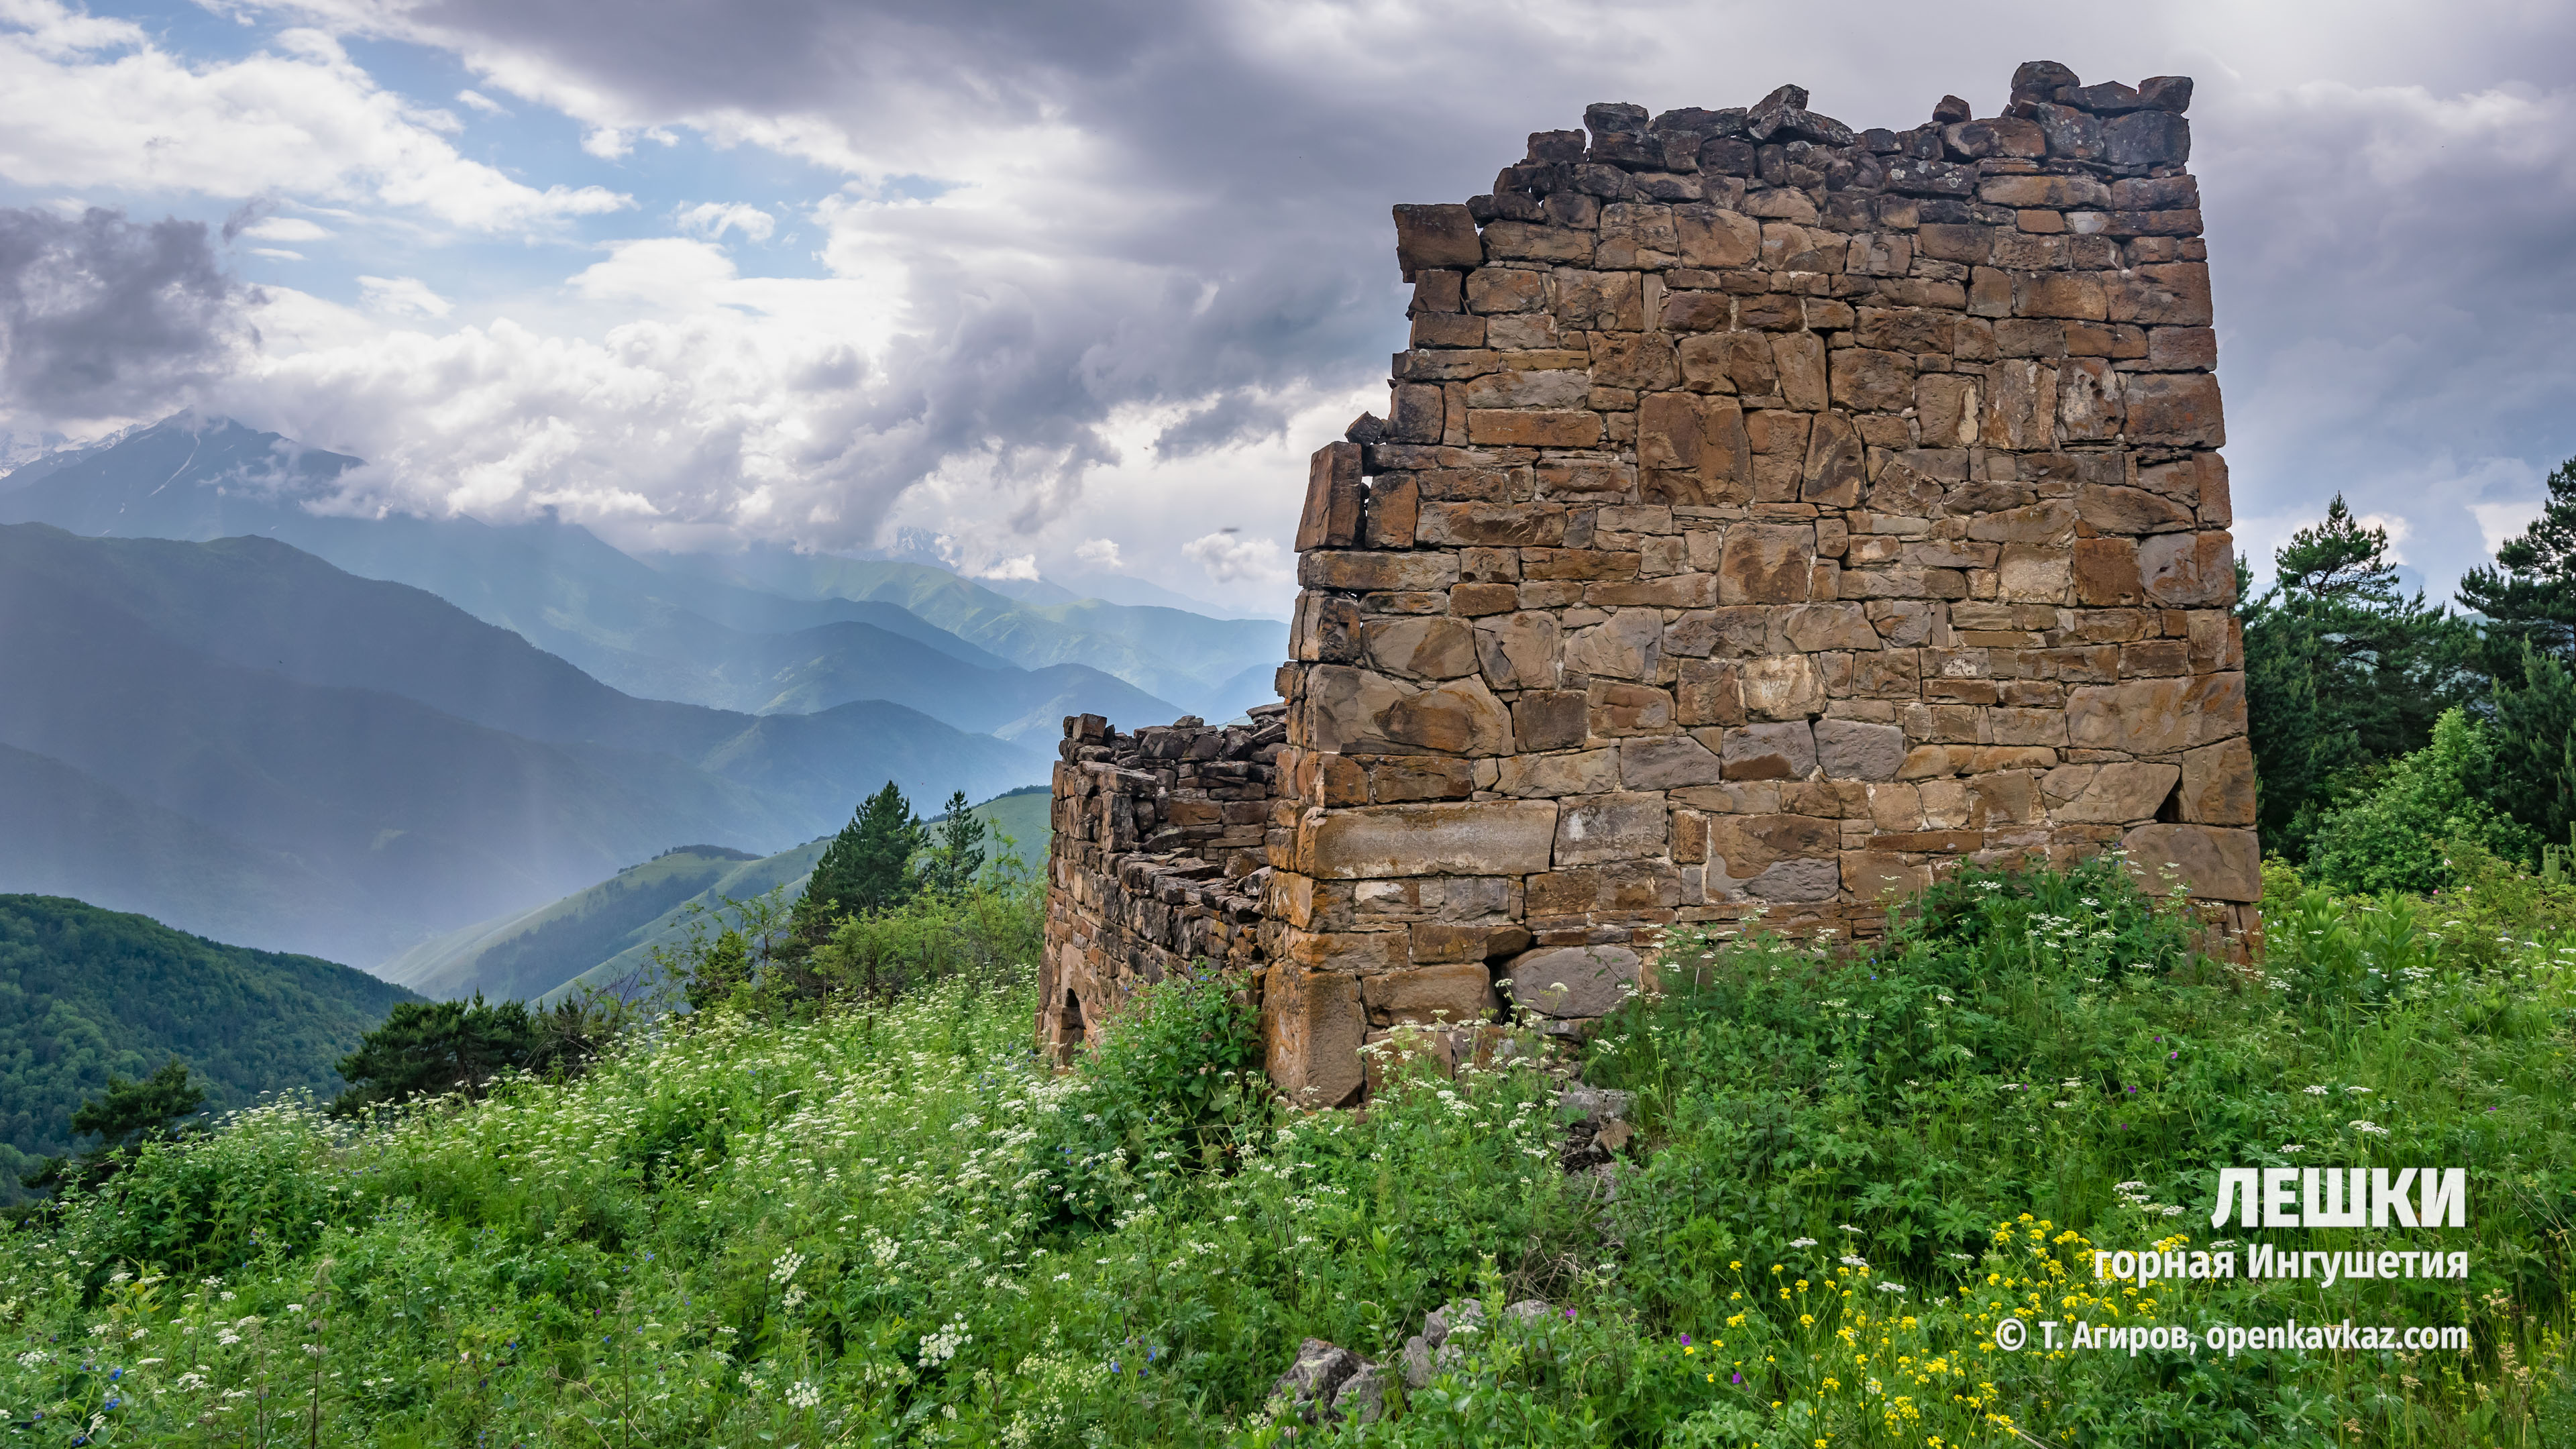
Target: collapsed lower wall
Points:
(1767, 516)
(1157, 861)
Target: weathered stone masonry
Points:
(1767, 515)
(1159, 853)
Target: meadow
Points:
(852, 1216)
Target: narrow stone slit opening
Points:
(2170, 812)
(1070, 1038)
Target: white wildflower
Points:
(938, 1348)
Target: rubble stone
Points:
(1328, 1383)
(1569, 982)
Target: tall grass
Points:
(847, 1219)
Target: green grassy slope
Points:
(528, 953)
(1022, 815)
(85, 992)
(600, 933)
(1840, 1175)
(784, 872)
(609, 931)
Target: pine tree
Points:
(431, 1048)
(725, 967)
(127, 1115)
(148, 1110)
(2344, 672)
(956, 848)
(867, 867)
(2529, 597)
(2535, 728)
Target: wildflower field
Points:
(853, 1220)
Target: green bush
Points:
(988, 933)
(432, 1048)
(1172, 1080)
(768, 957)
(2393, 836)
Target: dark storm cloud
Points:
(2398, 314)
(2388, 193)
(101, 317)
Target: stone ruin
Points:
(1767, 516)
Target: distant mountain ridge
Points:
(680, 627)
(528, 953)
(1175, 654)
(70, 834)
(426, 766)
(603, 932)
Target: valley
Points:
(246, 709)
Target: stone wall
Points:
(1767, 515)
(1158, 859)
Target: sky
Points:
(1077, 288)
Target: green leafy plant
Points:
(2393, 836)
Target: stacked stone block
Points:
(1767, 515)
(1157, 861)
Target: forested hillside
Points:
(85, 992)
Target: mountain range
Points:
(760, 630)
(423, 765)
(242, 705)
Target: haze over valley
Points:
(259, 720)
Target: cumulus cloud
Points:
(609, 143)
(1231, 557)
(101, 317)
(2397, 526)
(1083, 249)
(402, 297)
(2501, 522)
(1181, 208)
(1099, 553)
(98, 103)
(284, 229)
(660, 431)
(712, 219)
